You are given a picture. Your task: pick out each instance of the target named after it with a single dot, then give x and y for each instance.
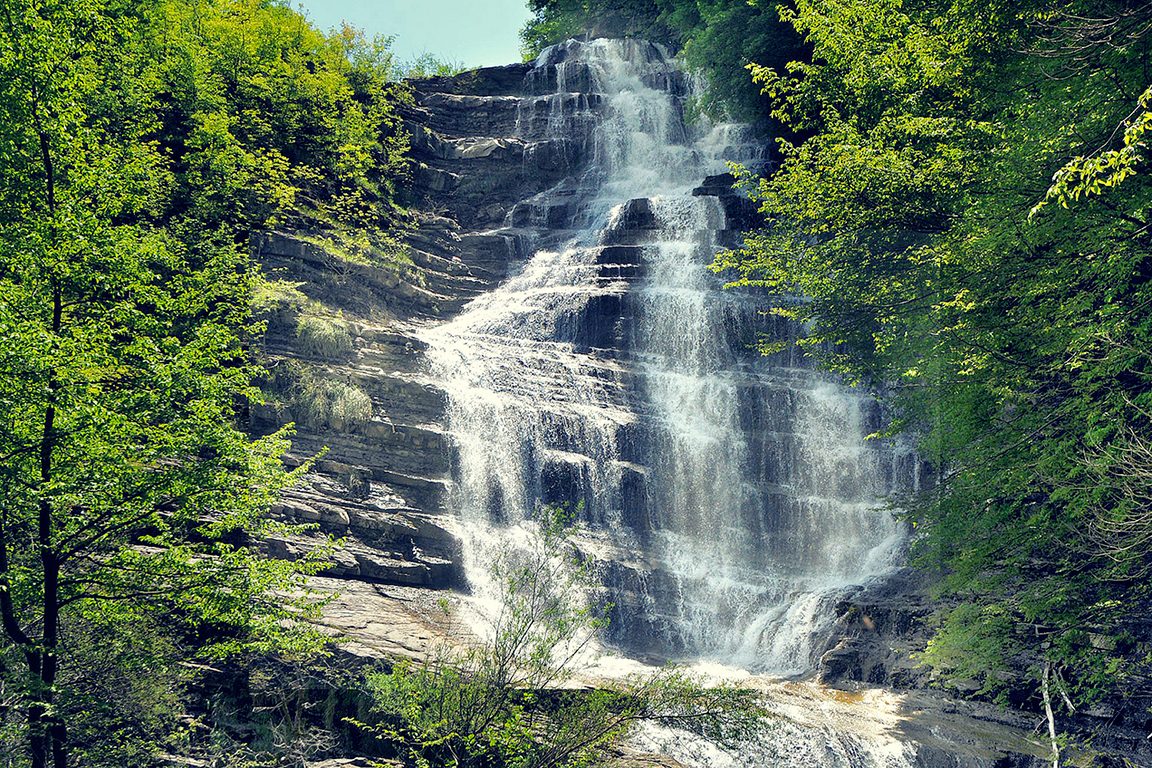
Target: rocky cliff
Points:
(494, 178)
(502, 163)
(381, 477)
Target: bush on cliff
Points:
(323, 336)
(506, 702)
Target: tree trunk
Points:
(48, 742)
(37, 737)
(59, 736)
(1051, 716)
(37, 727)
(46, 731)
(51, 664)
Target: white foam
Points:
(758, 555)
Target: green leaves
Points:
(716, 39)
(974, 645)
(141, 145)
(507, 701)
(1093, 175)
(1011, 337)
(273, 124)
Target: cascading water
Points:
(734, 496)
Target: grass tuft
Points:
(324, 403)
(323, 336)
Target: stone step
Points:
(485, 81)
(359, 561)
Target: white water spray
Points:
(614, 372)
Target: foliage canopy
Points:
(142, 145)
(715, 38)
(967, 215)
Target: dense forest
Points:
(970, 221)
(958, 191)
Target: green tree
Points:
(1011, 337)
(556, 20)
(142, 145)
(428, 65)
(270, 124)
(716, 39)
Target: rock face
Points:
(727, 494)
(380, 483)
(506, 165)
(882, 628)
(504, 161)
(879, 631)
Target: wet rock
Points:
(879, 631)
(717, 185)
(636, 214)
(843, 662)
(356, 762)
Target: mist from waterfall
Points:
(732, 498)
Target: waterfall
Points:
(731, 498)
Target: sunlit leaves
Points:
(142, 145)
(1011, 337)
(1093, 175)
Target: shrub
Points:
(271, 295)
(323, 336)
(321, 403)
(504, 702)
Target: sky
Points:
(475, 33)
